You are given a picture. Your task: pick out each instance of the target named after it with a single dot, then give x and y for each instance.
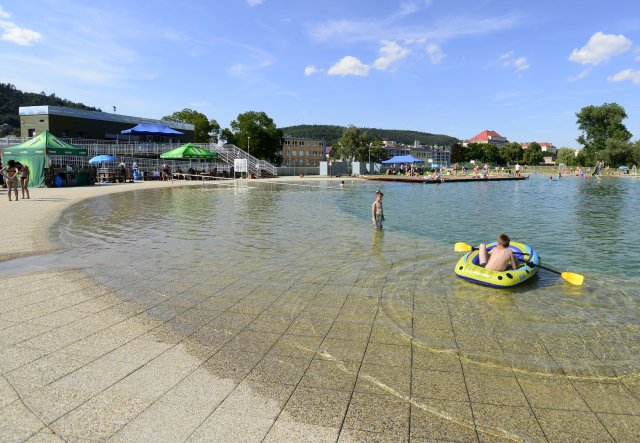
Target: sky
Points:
(521, 68)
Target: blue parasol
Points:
(102, 159)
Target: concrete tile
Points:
(252, 341)
(621, 426)
(235, 366)
(349, 331)
(299, 346)
(147, 383)
(200, 389)
(45, 370)
(439, 385)
(59, 318)
(177, 358)
(553, 392)
(310, 326)
(572, 426)
(45, 436)
(7, 393)
(496, 423)
(162, 422)
(378, 413)
(612, 398)
(22, 333)
(388, 355)
(442, 420)
(425, 358)
(18, 355)
(503, 391)
(258, 399)
(99, 418)
(321, 407)
(330, 375)
(232, 427)
(376, 379)
(17, 423)
(288, 431)
(97, 375)
(276, 369)
(358, 436)
(270, 324)
(138, 351)
(388, 334)
(53, 401)
(341, 350)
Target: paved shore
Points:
(84, 362)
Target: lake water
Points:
(297, 238)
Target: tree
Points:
(457, 153)
(202, 127)
(353, 144)
(635, 152)
(490, 153)
(474, 151)
(512, 152)
(257, 133)
(378, 153)
(617, 153)
(533, 154)
(599, 124)
(566, 156)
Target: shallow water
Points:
(294, 240)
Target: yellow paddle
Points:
(571, 277)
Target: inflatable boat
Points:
(528, 260)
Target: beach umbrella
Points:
(189, 151)
(623, 168)
(102, 159)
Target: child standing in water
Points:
(377, 213)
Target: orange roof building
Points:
(488, 136)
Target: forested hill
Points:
(11, 99)
(331, 133)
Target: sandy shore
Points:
(83, 362)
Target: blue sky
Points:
(455, 67)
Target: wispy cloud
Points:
(13, 33)
(600, 49)
(391, 52)
(254, 2)
(582, 74)
(509, 60)
(435, 52)
(349, 65)
(626, 75)
(310, 70)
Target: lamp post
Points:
(248, 153)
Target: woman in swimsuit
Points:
(10, 172)
(24, 179)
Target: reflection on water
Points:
(284, 237)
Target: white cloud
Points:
(310, 70)
(349, 66)
(582, 74)
(627, 74)
(254, 2)
(600, 48)
(509, 61)
(14, 33)
(391, 52)
(435, 52)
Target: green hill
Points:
(11, 99)
(331, 133)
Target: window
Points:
(32, 132)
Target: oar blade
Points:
(462, 247)
(574, 279)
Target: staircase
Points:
(229, 152)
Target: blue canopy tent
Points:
(152, 129)
(398, 159)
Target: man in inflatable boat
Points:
(498, 258)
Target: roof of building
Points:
(485, 136)
(97, 115)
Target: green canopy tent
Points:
(34, 152)
(189, 151)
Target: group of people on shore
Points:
(13, 172)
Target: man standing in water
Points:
(377, 213)
(499, 257)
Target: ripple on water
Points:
(267, 234)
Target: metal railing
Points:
(146, 154)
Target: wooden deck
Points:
(444, 179)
